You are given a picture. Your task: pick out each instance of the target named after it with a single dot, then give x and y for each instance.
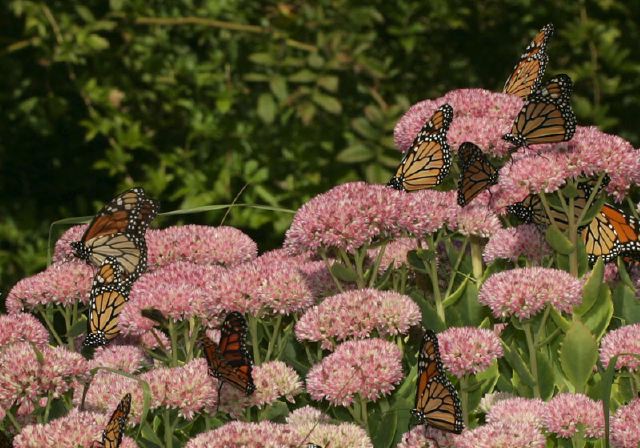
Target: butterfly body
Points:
(437, 402)
(229, 360)
(528, 72)
(428, 161)
(476, 173)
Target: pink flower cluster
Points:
(370, 368)
(273, 380)
(128, 358)
(355, 314)
(24, 379)
(511, 243)
(75, 429)
(525, 292)
(517, 410)
(623, 342)
(22, 327)
(226, 246)
(352, 215)
(566, 413)
(62, 251)
(478, 220)
(625, 430)
(395, 252)
(468, 350)
(64, 284)
(502, 435)
(264, 434)
(422, 436)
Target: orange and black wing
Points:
(529, 70)
(546, 116)
(428, 161)
(611, 233)
(230, 360)
(437, 402)
(108, 296)
(112, 434)
(476, 173)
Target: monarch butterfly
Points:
(529, 70)
(546, 116)
(112, 434)
(118, 231)
(611, 233)
(427, 162)
(476, 173)
(106, 300)
(230, 360)
(437, 402)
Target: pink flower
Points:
(421, 436)
(525, 292)
(426, 211)
(355, 314)
(105, 392)
(517, 410)
(479, 115)
(305, 415)
(370, 368)
(199, 244)
(344, 435)
(273, 380)
(513, 242)
(25, 379)
(468, 350)
(625, 431)
(240, 434)
(566, 412)
(22, 327)
(77, 428)
(395, 252)
(502, 435)
(623, 342)
(346, 217)
(477, 219)
(179, 291)
(128, 358)
(64, 284)
(62, 251)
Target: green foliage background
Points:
(194, 100)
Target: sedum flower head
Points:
(22, 327)
(625, 430)
(468, 350)
(370, 368)
(525, 292)
(273, 380)
(623, 342)
(566, 413)
(356, 314)
(128, 358)
(242, 434)
(422, 436)
(479, 220)
(502, 435)
(62, 251)
(511, 243)
(395, 252)
(517, 410)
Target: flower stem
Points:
(253, 329)
(376, 265)
(45, 317)
(363, 413)
(174, 343)
(191, 337)
(274, 336)
(464, 399)
(323, 255)
(67, 326)
(476, 257)
(533, 361)
(168, 429)
(433, 274)
(13, 421)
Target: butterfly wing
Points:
(108, 296)
(230, 360)
(611, 233)
(112, 434)
(529, 70)
(476, 173)
(546, 116)
(428, 161)
(437, 402)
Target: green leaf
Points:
(303, 76)
(558, 241)
(624, 274)
(328, 83)
(354, 154)
(78, 328)
(266, 108)
(261, 58)
(546, 376)
(453, 298)
(591, 289)
(626, 306)
(578, 355)
(97, 43)
(384, 429)
(275, 410)
(599, 316)
(278, 86)
(328, 103)
(514, 359)
(343, 273)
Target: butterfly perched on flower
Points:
(476, 173)
(528, 72)
(437, 402)
(118, 230)
(109, 293)
(229, 360)
(112, 434)
(612, 233)
(546, 116)
(428, 160)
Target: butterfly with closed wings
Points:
(612, 233)
(112, 434)
(528, 72)
(428, 160)
(437, 402)
(118, 230)
(476, 173)
(109, 293)
(546, 116)
(229, 360)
